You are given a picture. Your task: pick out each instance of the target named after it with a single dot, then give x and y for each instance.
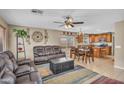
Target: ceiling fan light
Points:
(69, 26)
(66, 26)
(70, 20)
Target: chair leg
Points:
(86, 59)
(82, 58)
(89, 59)
(92, 58)
(74, 56)
(78, 58)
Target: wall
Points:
(119, 45)
(5, 26)
(54, 39)
(3, 23)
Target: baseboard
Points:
(119, 67)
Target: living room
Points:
(50, 43)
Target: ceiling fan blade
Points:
(72, 25)
(59, 22)
(78, 22)
(61, 25)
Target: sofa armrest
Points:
(22, 62)
(36, 54)
(35, 76)
(23, 74)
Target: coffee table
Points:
(61, 64)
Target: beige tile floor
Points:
(103, 66)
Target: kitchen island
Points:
(102, 51)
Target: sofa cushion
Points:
(39, 50)
(48, 50)
(23, 79)
(11, 57)
(56, 49)
(8, 77)
(51, 56)
(2, 70)
(32, 78)
(14, 63)
(4, 55)
(22, 70)
(35, 76)
(9, 64)
(60, 55)
(42, 58)
(2, 63)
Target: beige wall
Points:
(3, 23)
(53, 39)
(119, 45)
(5, 26)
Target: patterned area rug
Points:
(79, 75)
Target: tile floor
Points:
(104, 66)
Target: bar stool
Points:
(103, 52)
(90, 54)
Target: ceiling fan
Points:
(69, 23)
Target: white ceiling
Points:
(95, 20)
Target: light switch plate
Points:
(118, 46)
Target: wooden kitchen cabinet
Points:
(98, 51)
(108, 50)
(96, 37)
(109, 37)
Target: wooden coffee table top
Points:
(61, 60)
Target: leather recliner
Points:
(12, 72)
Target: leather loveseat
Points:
(42, 54)
(13, 72)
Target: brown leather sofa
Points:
(13, 72)
(42, 54)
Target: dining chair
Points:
(79, 54)
(72, 52)
(90, 54)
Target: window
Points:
(67, 41)
(2, 39)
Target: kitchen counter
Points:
(102, 51)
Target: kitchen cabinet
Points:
(98, 51)
(99, 37)
(102, 44)
(109, 37)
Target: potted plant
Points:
(20, 33)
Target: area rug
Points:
(79, 75)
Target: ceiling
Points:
(95, 20)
